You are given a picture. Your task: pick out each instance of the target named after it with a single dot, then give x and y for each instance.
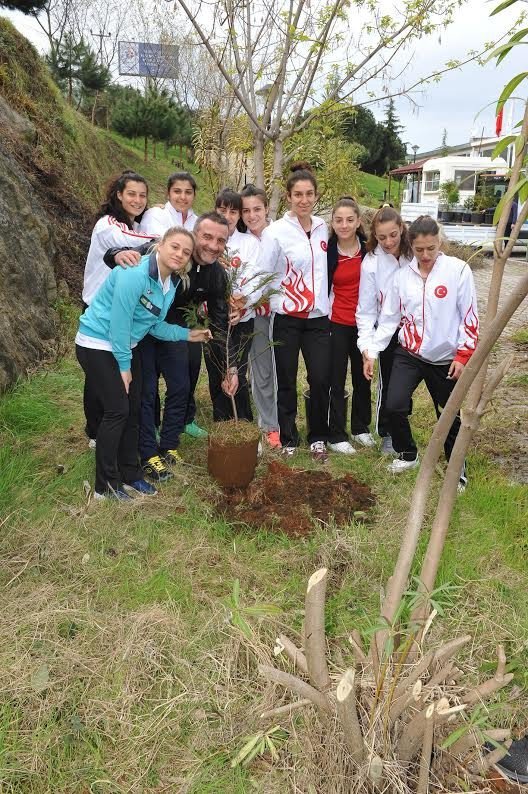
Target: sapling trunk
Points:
(231, 396)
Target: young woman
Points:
(130, 304)
(388, 249)
(118, 225)
(294, 247)
(263, 381)
(346, 249)
(242, 252)
(178, 211)
(434, 300)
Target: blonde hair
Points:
(174, 230)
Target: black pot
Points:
(442, 215)
(477, 217)
(466, 217)
(457, 216)
(488, 216)
(449, 216)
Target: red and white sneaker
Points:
(273, 439)
(318, 451)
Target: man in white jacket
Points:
(434, 298)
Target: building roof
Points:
(410, 168)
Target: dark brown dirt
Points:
(288, 500)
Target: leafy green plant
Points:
(469, 204)
(259, 744)
(449, 194)
(237, 614)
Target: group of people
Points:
(337, 296)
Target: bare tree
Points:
(277, 56)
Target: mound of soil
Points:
(288, 500)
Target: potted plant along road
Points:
(233, 444)
(469, 206)
(449, 196)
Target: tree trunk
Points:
(94, 107)
(276, 179)
(259, 159)
(145, 149)
(154, 148)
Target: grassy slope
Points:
(373, 187)
(121, 669)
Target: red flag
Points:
(498, 122)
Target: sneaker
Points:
(386, 446)
(344, 447)
(365, 439)
(289, 451)
(156, 469)
(195, 431)
(399, 464)
(318, 451)
(514, 765)
(92, 443)
(462, 485)
(119, 494)
(140, 486)
(273, 439)
(171, 457)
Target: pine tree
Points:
(26, 6)
(75, 69)
(393, 151)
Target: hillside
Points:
(53, 169)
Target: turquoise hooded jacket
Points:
(128, 306)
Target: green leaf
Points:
(244, 627)
(520, 143)
(502, 144)
(523, 193)
(246, 749)
(236, 592)
(502, 6)
(510, 193)
(263, 609)
(508, 89)
(455, 736)
(272, 749)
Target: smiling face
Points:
(133, 198)
(181, 195)
(254, 214)
(388, 235)
(174, 252)
(211, 239)
(426, 248)
(302, 198)
(345, 222)
(231, 215)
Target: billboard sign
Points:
(140, 59)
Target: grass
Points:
(520, 337)
(121, 668)
(374, 189)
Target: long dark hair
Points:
(299, 172)
(250, 191)
(382, 216)
(425, 225)
(350, 203)
(112, 204)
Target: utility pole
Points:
(101, 35)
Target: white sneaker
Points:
(344, 447)
(365, 439)
(386, 446)
(92, 443)
(398, 465)
(289, 451)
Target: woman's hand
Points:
(368, 366)
(200, 335)
(126, 377)
(455, 370)
(230, 382)
(127, 258)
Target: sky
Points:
(458, 103)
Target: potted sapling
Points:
(469, 206)
(234, 438)
(449, 196)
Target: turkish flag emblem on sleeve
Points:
(498, 122)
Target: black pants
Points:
(93, 410)
(407, 373)
(311, 337)
(343, 347)
(116, 454)
(386, 358)
(241, 338)
(194, 362)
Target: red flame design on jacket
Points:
(411, 337)
(471, 327)
(298, 297)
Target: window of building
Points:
(432, 181)
(465, 179)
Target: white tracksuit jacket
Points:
(439, 320)
(107, 233)
(157, 220)
(244, 252)
(300, 265)
(377, 272)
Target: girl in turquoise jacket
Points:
(130, 304)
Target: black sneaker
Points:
(515, 763)
(156, 469)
